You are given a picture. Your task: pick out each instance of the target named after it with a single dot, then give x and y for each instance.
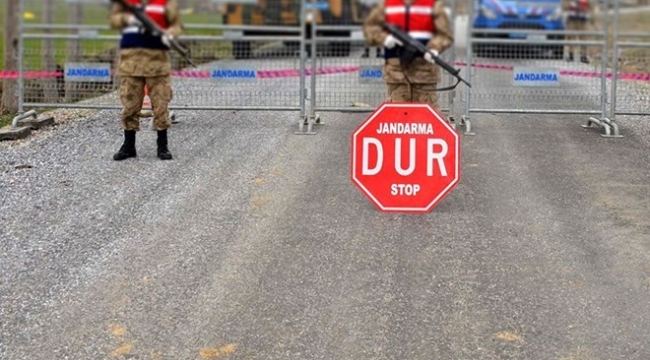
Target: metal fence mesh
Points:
(502, 85)
(529, 60)
(356, 81)
(631, 93)
(249, 57)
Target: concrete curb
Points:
(11, 133)
(38, 123)
(23, 124)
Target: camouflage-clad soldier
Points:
(424, 20)
(145, 60)
(578, 14)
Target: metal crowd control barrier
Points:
(220, 85)
(71, 65)
(526, 71)
(89, 80)
(68, 58)
(354, 83)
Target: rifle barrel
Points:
(407, 41)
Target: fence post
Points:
(74, 48)
(307, 116)
(603, 65)
(612, 130)
(314, 57)
(303, 88)
(465, 119)
(12, 37)
(21, 59)
(50, 91)
(615, 57)
(452, 59)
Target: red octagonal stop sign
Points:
(405, 157)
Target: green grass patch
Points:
(91, 14)
(632, 60)
(6, 119)
(634, 22)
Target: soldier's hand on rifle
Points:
(429, 55)
(167, 39)
(390, 42)
(133, 21)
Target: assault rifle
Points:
(153, 29)
(412, 48)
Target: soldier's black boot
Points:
(128, 148)
(163, 151)
(570, 57)
(584, 59)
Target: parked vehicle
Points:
(287, 13)
(544, 15)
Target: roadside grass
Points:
(2, 37)
(630, 60)
(633, 60)
(6, 119)
(93, 14)
(93, 50)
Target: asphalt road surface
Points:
(254, 244)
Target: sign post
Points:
(405, 157)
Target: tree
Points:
(75, 12)
(9, 101)
(50, 91)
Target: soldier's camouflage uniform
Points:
(416, 81)
(146, 65)
(577, 21)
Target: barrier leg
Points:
(605, 128)
(614, 132)
(467, 124)
(15, 132)
(306, 118)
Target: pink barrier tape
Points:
(29, 74)
(274, 74)
(266, 74)
(592, 74)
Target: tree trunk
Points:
(9, 102)
(50, 91)
(75, 11)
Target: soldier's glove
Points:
(428, 56)
(133, 21)
(167, 40)
(390, 42)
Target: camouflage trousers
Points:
(576, 25)
(406, 92)
(132, 94)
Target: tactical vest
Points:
(134, 36)
(416, 19)
(578, 9)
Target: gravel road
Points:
(254, 244)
